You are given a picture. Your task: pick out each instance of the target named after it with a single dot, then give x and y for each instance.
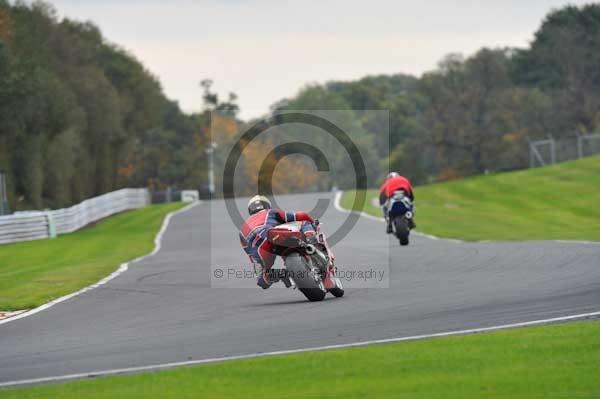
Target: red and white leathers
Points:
(253, 234)
(395, 184)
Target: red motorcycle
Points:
(309, 263)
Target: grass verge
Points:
(35, 272)
(556, 361)
(555, 202)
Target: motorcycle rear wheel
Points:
(338, 290)
(402, 229)
(304, 278)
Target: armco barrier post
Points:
(3, 194)
(51, 225)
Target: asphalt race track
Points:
(164, 310)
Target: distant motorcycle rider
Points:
(253, 235)
(394, 182)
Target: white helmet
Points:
(258, 203)
(393, 174)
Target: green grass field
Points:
(555, 361)
(556, 202)
(35, 272)
(559, 361)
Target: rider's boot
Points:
(268, 277)
(411, 223)
(263, 281)
(388, 226)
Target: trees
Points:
(473, 115)
(469, 112)
(80, 116)
(563, 61)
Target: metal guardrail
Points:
(35, 225)
(550, 150)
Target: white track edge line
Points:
(337, 205)
(163, 366)
(122, 268)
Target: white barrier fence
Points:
(36, 225)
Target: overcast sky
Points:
(267, 50)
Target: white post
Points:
(211, 168)
(552, 150)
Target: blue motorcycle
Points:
(400, 212)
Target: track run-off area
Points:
(163, 310)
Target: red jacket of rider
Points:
(253, 232)
(395, 184)
(270, 218)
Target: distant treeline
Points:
(474, 115)
(80, 117)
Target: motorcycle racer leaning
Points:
(253, 235)
(394, 182)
